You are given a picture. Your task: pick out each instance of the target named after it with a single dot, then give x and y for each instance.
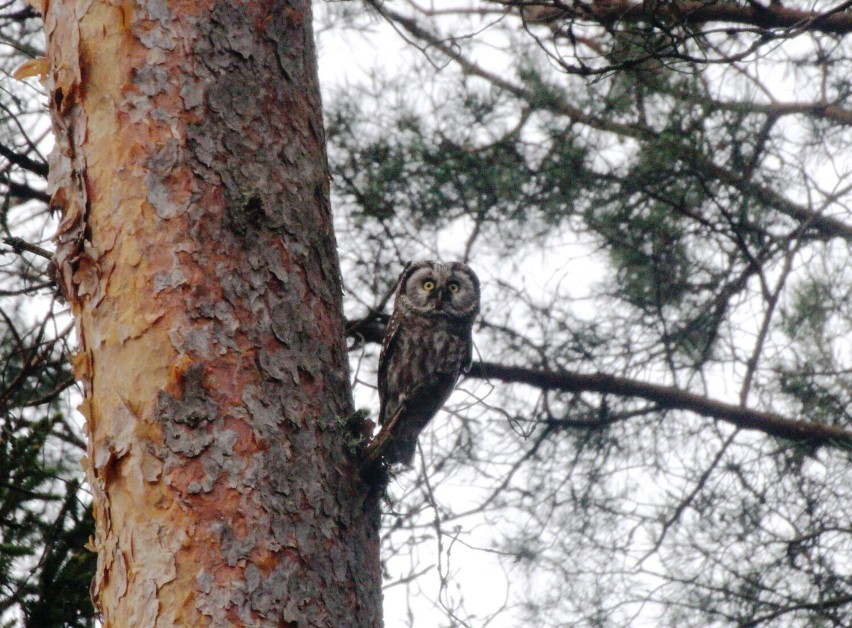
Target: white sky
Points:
(349, 59)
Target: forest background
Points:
(656, 429)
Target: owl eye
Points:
(454, 287)
(428, 286)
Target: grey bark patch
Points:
(192, 93)
(185, 420)
(152, 80)
(189, 443)
(169, 279)
(198, 341)
(264, 418)
(202, 145)
(233, 548)
(162, 35)
(278, 364)
(253, 576)
(160, 166)
(234, 34)
(204, 581)
(157, 10)
(245, 215)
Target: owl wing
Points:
(389, 346)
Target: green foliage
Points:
(45, 524)
(356, 429)
(429, 175)
(818, 321)
(45, 519)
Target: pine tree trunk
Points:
(197, 254)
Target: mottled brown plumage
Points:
(426, 347)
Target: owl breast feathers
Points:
(426, 347)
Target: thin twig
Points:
(19, 245)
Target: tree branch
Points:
(827, 226)
(836, 21)
(25, 192)
(773, 424)
(19, 245)
(770, 423)
(38, 167)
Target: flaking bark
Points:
(197, 253)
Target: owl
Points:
(425, 348)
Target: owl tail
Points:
(401, 451)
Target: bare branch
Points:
(827, 226)
(19, 245)
(836, 21)
(36, 167)
(668, 397)
(770, 423)
(25, 192)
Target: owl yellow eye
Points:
(428, 286)
(454, 287)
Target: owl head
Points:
(434, 289)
